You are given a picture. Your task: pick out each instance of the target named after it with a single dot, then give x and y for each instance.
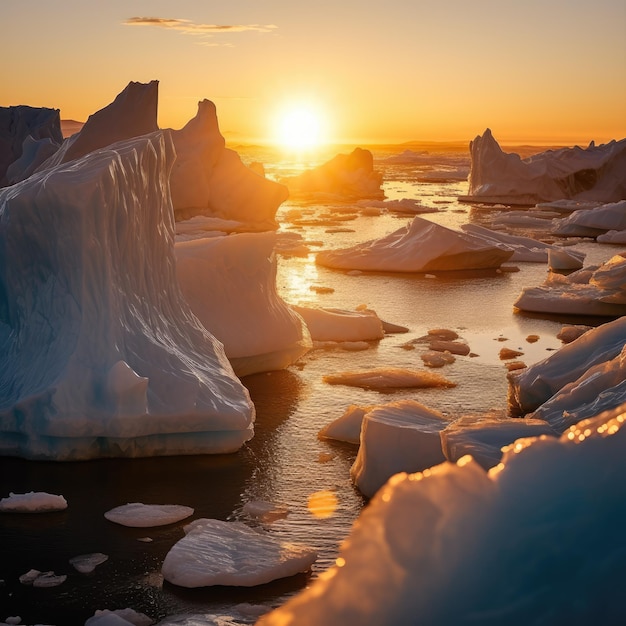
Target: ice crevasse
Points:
(100, 354)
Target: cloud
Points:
(191, 28)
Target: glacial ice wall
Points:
(100, 355)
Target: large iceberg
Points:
(349, 176)
(100, 354)
(28, 136)
(230, 284)
(421, 246)
(210, 179)
(594, 173)
(536, 540)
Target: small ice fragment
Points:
(29, 577)
(145, 539)
(119, 617)
(49, 579)
(265, 511)
(138, 515)
(87, 563)
(32, 502)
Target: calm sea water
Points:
(285, 463)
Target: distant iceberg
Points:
(100, 354)
(594, 173)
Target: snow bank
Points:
(230, 284)
(100, 355)
(458, 545)
(422, 246)
(596, 173)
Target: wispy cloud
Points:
(191, 28)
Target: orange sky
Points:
(532, 71)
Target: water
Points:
(285, 463)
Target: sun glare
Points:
(300, 127)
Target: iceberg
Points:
(210, 179)
(421, 246)
(28, 135)
(100, 355)
(214, 552)
(595, 173)
(459, 545)
(350, 176)
(230, 285)
(589, 291)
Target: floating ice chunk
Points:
(42, 579)
(500, 544)
(400, 205)
(326, 324)
(422, 246)
(592, 222)
(87, 563)
(385, 378)
(79, 303)
(32, 502)
(265, 511)
(230, 553)
(400, 436)
(230, 284)
(119, 617)
(347, 427)
(139, 515)
(589, 291)
(525, 249)
(596, 173)
(612, 236)
(560, 259)
(483, 438)
(530, 388)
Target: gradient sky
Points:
(399, 70)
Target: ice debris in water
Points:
(139, 515)
(32, 502)
(214, 552)
(384, 378)
(119, 617)
(87, 563)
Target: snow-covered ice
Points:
(32, 502)
(140, 515)
(99, 353)
(536, 540)
(214, 552)
(230, 284)
(421, 246)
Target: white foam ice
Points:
(214, 552)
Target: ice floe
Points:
(32, 502)
(388, 378)
(421, 246)
(214, 552)
(87, 563)
(327, 324)
(139, 515)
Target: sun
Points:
(300, 127)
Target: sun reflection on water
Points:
(322, 504)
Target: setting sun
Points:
(300, 127)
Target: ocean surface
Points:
(285, 463)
